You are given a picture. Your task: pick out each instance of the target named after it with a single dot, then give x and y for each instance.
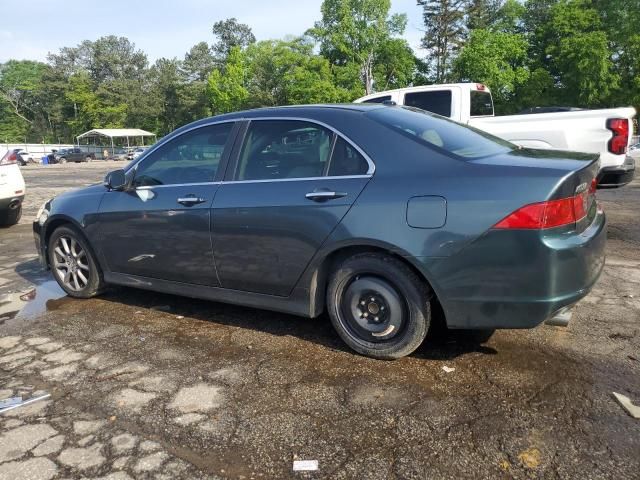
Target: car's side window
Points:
(193, 157)
(278, 149)
(346, 160)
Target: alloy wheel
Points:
(71, 263)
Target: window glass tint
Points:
(438, 101)
(193, 157)
(440, 133)
(275, 149)
(384, 98)
(481, 104)
(346, 160)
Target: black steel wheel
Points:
(73, 264)
(378, 305)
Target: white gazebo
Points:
(132, 136)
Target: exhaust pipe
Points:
(561, 318)
(14, 204)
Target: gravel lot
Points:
(154, 386)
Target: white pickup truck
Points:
(607, 132)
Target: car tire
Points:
(74, 264)
(379, 306)
(62, 160)
(87, 159)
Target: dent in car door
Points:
(161, 228)
(268, 224)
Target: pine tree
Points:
(482, 13)
(444, 22)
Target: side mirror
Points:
(115, 180)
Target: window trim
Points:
(233, 164)
(238, 133)
(133, 167)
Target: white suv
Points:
(12, 188)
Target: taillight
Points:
(620, 140)
(9, 158)
(550, 214)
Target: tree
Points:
(396, 65)
(443, 35)
(482, 14)
(230, 34)
(353, 31)
(286, 72)
(496, 59)
(226, 89)
(578, 53)
(199, 62)
(22, 100)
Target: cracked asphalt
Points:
(145, 385)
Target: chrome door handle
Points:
(322, 195)
(189, 201)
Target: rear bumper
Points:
(519, 279)
(9, 205)
(615, 177)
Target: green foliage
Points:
(230, 34)
(444, 34)
(530, 53)
(496, 59)
(226, 90)
(356, 32)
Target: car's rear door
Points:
(290, 185)
(161, 226)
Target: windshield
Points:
(440, 133)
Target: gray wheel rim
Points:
(71, 264)
(372, 309)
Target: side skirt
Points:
(296, 304)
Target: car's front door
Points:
(284, 196)
(160, 227)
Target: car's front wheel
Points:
(73, 264)
(88, 158)
(62, 160)
(378, 305)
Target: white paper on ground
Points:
(633, 410)
(448, 369)
(305, 465)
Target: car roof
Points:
(293, 110)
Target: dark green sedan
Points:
(390, 219)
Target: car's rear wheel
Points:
(88, 158)
(378, 305)
(73, 263)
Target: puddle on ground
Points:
(28, 304)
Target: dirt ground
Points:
(154, 386)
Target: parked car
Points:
(76, 155)
(137, 152)
(383, 216)
(606, 132)
(23, 157)
(12, 188)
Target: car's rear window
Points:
(481, 104)
(382, 99)
(441, 134)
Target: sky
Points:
(161, 28)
